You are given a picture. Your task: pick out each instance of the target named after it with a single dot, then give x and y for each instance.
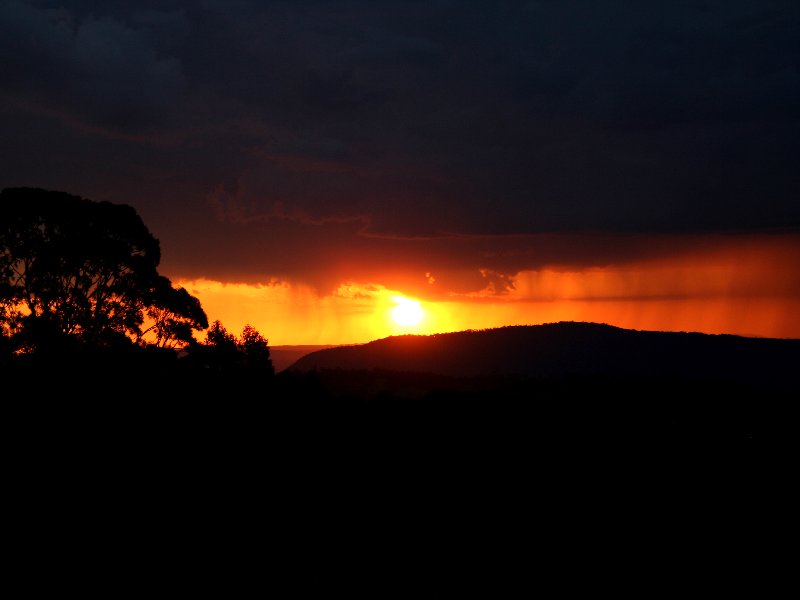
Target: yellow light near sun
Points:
(287, 313)
(741, 287)
(407, 312)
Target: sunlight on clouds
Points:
(751, 293)
(746, 291)
(648, 281)
(290, 313)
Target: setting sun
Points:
(407, 312)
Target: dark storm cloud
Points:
(97, 69)
(411, 118)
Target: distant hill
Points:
(284, 356)
(572, 349)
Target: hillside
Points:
(285, 356)
(569, 350)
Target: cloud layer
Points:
(306, 138)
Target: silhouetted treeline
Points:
(422, 472)
(82, 302)
(587, 408)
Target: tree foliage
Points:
(72, 268)
(175, 314)
(223, 351)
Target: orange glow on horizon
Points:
(741, 291)
(290, 314)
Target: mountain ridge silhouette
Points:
(571, 349)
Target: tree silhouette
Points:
(256, 350)
(72, 268)
(175, 314)
(222, 351)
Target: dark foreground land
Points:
(388, 484)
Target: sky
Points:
(306, 165)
